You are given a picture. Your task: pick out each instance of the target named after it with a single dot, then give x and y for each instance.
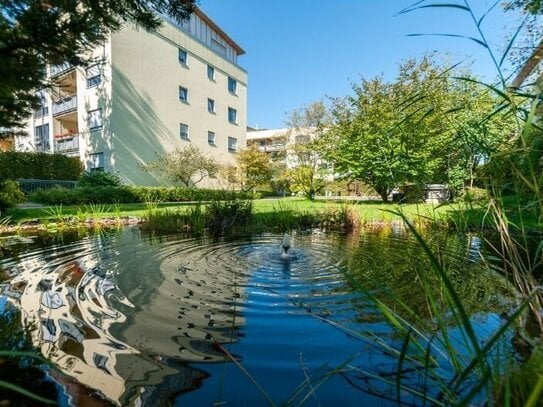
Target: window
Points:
(210, 73)
(96, 162)
(93, 76)
(95, 119)
(184, 131)
(232, 86)
(232, 115)
(41, 137)
(218, 47)
(183, 57)
(210, 105)
(43, 109)
(232, 144)
(211, 137)
(183, 94)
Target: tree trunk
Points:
(384, 196)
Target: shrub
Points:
(10, 194)
(15, 165)
(475, 196)
(99, 179)
(228, 217)
(130, 194)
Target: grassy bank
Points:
(273, 212)
(368, 211)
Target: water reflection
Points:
(72, 306)
(141, 320)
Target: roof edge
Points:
(225, 36)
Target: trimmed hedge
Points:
(131, 194)
(16, 165)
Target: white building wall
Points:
(146, 112)
(139, 99)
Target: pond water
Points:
(142, 321)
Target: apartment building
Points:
(144, 95)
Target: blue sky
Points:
(299, 51)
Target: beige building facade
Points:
(144, 95)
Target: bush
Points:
(477, 196)
(228, 217)
(10, 195)
(130, 194)
(16, 165)
(99, 179)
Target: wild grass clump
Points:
(341, 218)
(450, 361)
(455, 363)
(228, 217)
(164, 221)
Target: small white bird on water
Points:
(285, 245)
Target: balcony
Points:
(65, 105)
(272, 148)
(57, 70)
(66, 144)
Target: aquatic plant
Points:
(96, 211)
(449, 363)
(56, 213)
(228, 217)
(457, 366)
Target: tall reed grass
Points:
(455, 365)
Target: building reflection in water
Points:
(71, 308)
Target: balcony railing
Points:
(65, 105)
(60, 69)
(67, 144)
(272, 147)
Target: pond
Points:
(140, 320)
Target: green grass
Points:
(456, 215)
(368, 210)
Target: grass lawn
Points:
(368, 210)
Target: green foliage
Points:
(10, 194)
(188, 166)
(528, 6)
(304, 149)
(130, 194)
(23, 380)
(477, 196)
(99, 179)
(35, 34)
(83, 195)
(194, 220)
(16, 165)
(255, 168)
(228, 217)
(423, 127)
(522, 383)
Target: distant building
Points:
(273, 142)
(147, 94)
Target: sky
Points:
(300, 51)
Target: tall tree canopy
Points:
(34, 33)
(307, 170)
(422, 127)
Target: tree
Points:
(306, 169)
(255, 168)
(409, 130)
(34, 33)
(188, 166)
